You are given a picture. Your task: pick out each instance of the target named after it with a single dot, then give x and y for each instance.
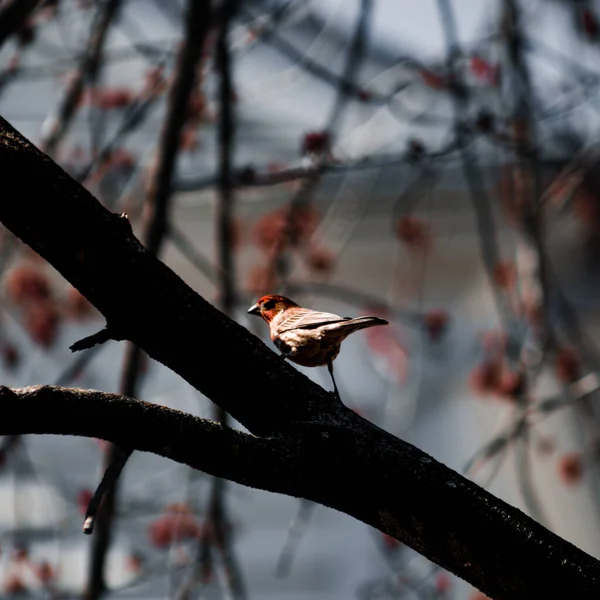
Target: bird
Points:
(307, 337)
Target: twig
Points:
(197, 23)
(354, 59)
(86, 74)
(321, 72)
(102, 336)
(219, 536)
(296, 530)
(187, 249)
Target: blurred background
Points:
(435, 163)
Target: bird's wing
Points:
(304, 318)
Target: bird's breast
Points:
(307, 347)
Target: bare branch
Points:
(87, 72)
(311, 447)
(350, 465)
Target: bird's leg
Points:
(336, 393)
(284, 348)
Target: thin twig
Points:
(219, 527)
(87, 74)
(296, 530)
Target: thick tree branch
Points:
(350, 465)
(310, 446)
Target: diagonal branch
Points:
(352, 466)
(87, 73)
(309, 447)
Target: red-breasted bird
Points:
(310, 338)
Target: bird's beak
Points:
(254, 310)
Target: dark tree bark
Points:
(302, 443)
(14, 16)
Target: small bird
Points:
(308, 337)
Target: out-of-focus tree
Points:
(151, 107)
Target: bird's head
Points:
(268, 307)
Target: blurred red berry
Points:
(41, 320)
(364, 95)
(436, 323)
(20, 553)
(570, 468)
(434, 80)
(83, 500)
(316, 142)
(122, 160)
(443, 583)
(320, 259)
(590, 24)
(273, 227)
(494, 341)
(414, 233)
(113, 98)
(567, 365)
(485, 377)
(390, 542)
(14, 585)
(484, 71)
(505, 275)
(511, 384)
(44, 572)
(196, 108)
(176, 524)
(269, 229)
(135, 562)
(10, 356)
(27, 283)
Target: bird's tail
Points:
(351, 325)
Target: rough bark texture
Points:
(304, 443)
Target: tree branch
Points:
(350, 465)
(87, 72)
(310, 446)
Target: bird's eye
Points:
(268, 305)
